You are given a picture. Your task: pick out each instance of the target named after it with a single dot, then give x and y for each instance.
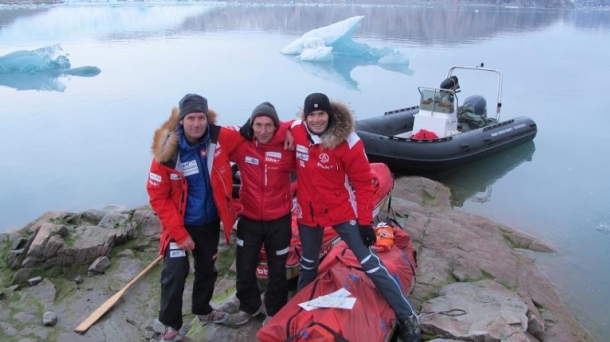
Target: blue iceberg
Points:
(330, 52)
(39, 69)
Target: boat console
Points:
(437, 111)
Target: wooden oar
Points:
(87, 323)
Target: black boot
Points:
(409, 329)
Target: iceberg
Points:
(331, 53)
(39, 69)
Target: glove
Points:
(367, 234)
(246, 130)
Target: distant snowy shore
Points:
(510, 3)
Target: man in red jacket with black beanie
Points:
(335, 188)
(190, 187)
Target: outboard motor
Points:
(451, 83)
(478, 103)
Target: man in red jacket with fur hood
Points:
(335, 188)
(190, 186)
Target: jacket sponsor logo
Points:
(325, 167)
(302, 156)
(174, 176)
(325, 249)
(272, 160)
(217, 150)
(324, 158)
(190, 168)
(277, 155)
(251, 160)
(302, 149)
(177, 254)
(154, 177)
(261, 271)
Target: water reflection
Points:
(474, 181)
(340, 70)
(427, 25)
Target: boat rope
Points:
(452, 313)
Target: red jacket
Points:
(265, 192)
(167, 187)
(335, 183)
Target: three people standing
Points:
(190, 189)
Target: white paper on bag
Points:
(339, 299)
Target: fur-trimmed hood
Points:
(341, 126)
(165, 140)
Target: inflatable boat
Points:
(440, 133)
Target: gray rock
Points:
(157, 326)
(91, 217)
(8, 329)
(113, 219)
(14, 258)
(30, 262)
(79, 279)
(99, 265)
(24, 317)
(14, 288)
(54, 245)
(49, 318)
(34, 226)
(34, 281)
(1, 295)
(21, 276)
(493, 313)
(535, 325)
(128, 253)
(38, 246)
(150, 226)
(149, 334)
(19, 243)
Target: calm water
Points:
(88, 145)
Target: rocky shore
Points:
(58, 269)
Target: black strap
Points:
(338, 337)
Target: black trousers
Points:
(176, 269)
(251, 236)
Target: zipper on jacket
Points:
(204, 169)
(266, 175)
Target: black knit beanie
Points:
(317, 101)
(265, 109)
(192, 103)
